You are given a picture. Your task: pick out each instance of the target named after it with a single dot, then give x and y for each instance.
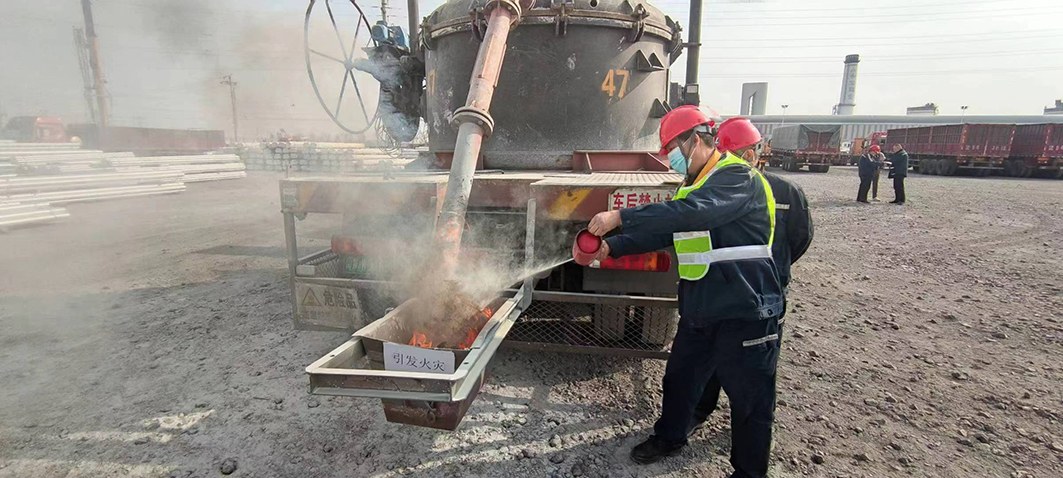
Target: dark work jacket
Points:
(900, 164)
(867, 166)
(732, 206)
(793, 225)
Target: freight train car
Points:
(148, 141)
(979, 149)
(1037, 150)
(796, 146)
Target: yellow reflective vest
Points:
(694, 249)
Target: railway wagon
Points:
(795, 146)
(1037, 150)
(979, 149)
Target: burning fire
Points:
(420, 338)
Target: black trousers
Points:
(874, 184)
(741, 356)
(898, 188)
(865, 186)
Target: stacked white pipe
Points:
(36, 179)
(196, 168)
(324, 157)
(15, 214)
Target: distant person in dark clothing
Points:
(869, 165)
(880, 162)
(899, 158)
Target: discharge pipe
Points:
(475, 123)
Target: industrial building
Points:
(929, 109)
(754, 98)
(1055, 110)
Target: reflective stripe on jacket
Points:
(694, 249)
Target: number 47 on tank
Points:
(616, 87)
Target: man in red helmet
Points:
(721, 223)
(869, 166)
(793, 236)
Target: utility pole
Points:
(228, 80)
(82, 49)
(784, 113)
(691, 95)
(94, 62)
(414, 22)
(963, 112)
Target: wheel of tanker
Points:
(921, 167)
(931, 167)
(1025, 171)
(949, 167)
(336, 35)
(1009, 168)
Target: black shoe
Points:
(696, 425)
(865, 202)
(654, 449)
(901, 203)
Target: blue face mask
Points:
(677, 160)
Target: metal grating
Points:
(637, 330)
(562, 322)
(612, 179)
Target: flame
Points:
(420, 339)
(470, 337)
(473, 332)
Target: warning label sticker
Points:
(327, 306)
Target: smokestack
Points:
(754, 99)
(848, 98)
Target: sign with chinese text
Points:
(325, 306)
(416, 359)
(624, 198)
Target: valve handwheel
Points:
(328, 59)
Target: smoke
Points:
(185, 24)
(400, 247)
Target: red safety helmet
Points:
(737, 133)
(875, 148)
(683, 119)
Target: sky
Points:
(164, 59)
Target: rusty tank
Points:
(582, 75)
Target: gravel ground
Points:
(151, 337)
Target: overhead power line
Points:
(837, 59)
(864, 7)
(797, 44)
(995, 71)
